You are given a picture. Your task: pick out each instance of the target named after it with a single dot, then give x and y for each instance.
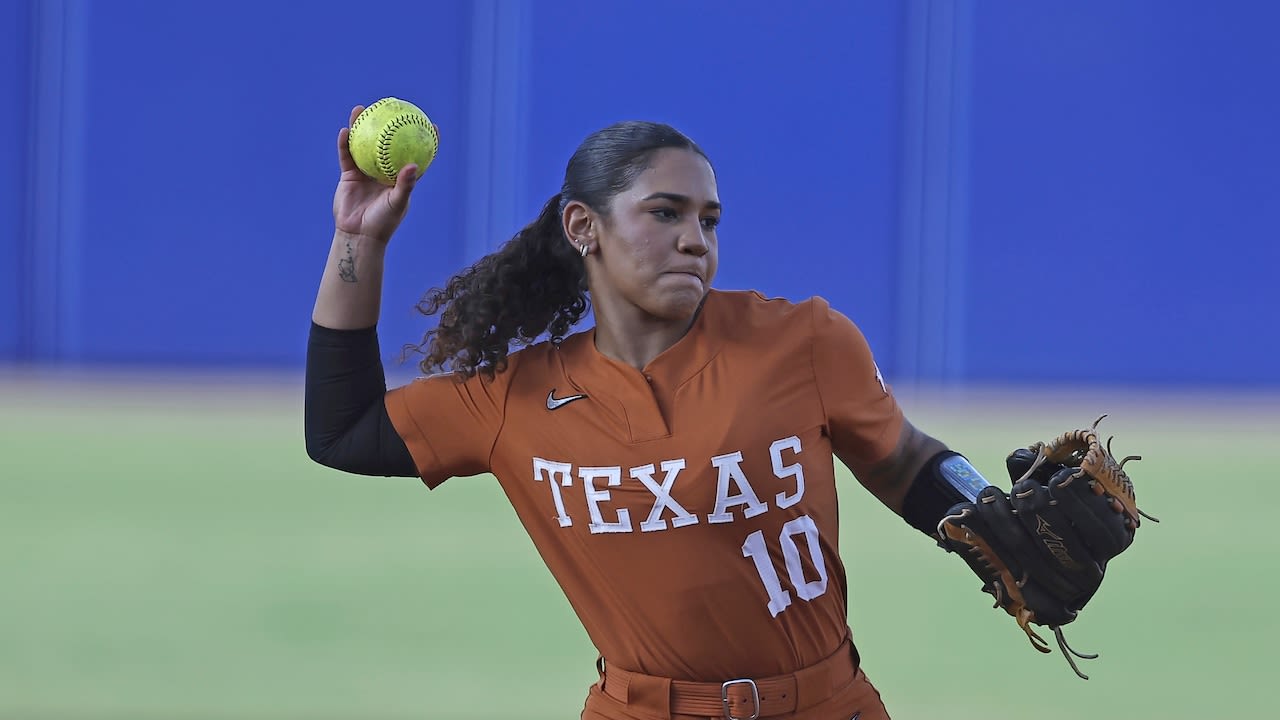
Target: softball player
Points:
(674, 464)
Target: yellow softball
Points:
(390, 134)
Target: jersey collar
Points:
(645, 396)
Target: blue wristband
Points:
(962, 476)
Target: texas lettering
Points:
(734, 491)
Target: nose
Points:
(694, 241)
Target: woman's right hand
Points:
(361, 205)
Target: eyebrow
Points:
(677, 198)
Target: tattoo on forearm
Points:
(347, 265)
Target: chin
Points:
(677, 306)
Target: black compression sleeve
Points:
(946, 480)
(345, 419)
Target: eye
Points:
(665, 213)
(711, 222)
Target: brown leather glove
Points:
(1042, 548)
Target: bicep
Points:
(368, 446)
(890, 478)
(450, 423)
(346, 425)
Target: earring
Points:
(584, 249)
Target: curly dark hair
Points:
(536, 283)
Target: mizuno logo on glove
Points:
(1053, 543)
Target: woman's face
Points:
(656, 249)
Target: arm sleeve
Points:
(863, 418)
(451, 423)
(345, 420)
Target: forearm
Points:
(350, 294)
(922, 480)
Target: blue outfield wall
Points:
(14, 77)
(1124, 175)
(994, 191)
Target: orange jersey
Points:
(688, 510)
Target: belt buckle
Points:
(755, 699)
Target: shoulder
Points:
(544, 361)
(534, 361)
(751, 313)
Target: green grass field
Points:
(169, 552)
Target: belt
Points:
(736, 699)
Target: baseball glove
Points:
(1042, 549)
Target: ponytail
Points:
(535, 284)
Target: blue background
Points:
(995, 192)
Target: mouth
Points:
(690, 273)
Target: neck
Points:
(632, 336)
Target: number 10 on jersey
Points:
(756, 548)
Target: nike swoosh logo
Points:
(554, 402)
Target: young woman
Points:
(674, 464)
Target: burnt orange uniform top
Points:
(688, 510)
